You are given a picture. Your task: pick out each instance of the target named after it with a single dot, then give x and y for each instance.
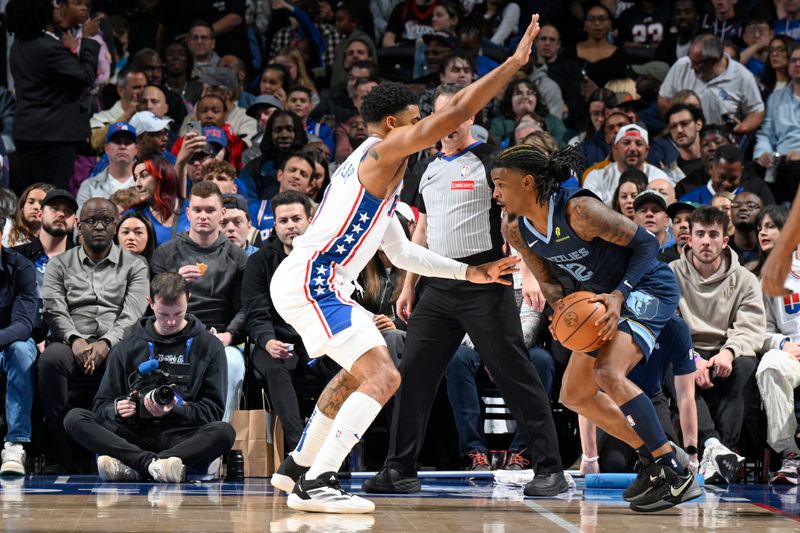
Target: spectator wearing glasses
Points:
(727, 90)
(152, 135)
(92, 294)
(201, 43)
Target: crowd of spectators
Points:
(142, 138)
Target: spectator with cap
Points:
(121, 150)
(93, 294)
(596, 149)
(18, 299)
(152, 135)
(650, 208)
(726, 88)
(432, 48)
(778, 140)
(235, 222)
(678, 213)
(130, 85)
(630, 151)
(221, 81)
(235, 64)
(55, 238)
(727, 174)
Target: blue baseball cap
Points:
(217, 135)
(120, 127)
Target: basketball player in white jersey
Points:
(311, 288)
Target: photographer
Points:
(126, 423)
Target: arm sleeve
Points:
(645, 250)
(134, 305)
(417, 259)
(23, 310)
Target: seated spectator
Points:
(644, 24)
(456, 68)
(299, 101)
(292, 59)
(596, 148)
(222, 82)
(284, 135)
(565, 72)
(152, 135)
(726, 88)
(744, 210)
(721, 302)
(158, 198)
(790, 24)
(8, 203)
(235, 64)
(92, 295)
(222, 174)
(55, 238)
(756, 36)
(776, 71)
(778, 375)
(154, 99)
(665, 188)
(778, 141)
(499, 20)
(722, 22)
(130, 84)
(685, 123)
(521, 98)
(605, 453)
(213, 266)
(674, 46)
(679, 214)
(409, 20)
(135, 234)
(631, 182)
(651, 213)
(261, 109)
(169, 103)
(338, 100)
(593, 123)
(27, 221)
(18, 299)
(727, 175)
(712, 137)
(121, 149)
(235, 223)
(354, 22)
(769, 223)
(279, 355)
(629, 152)
(275, 80)
(723, 200)
(177, 69)
(431, 49)
(201, 43)
(137, 438)
(296, 174)
(322, 174)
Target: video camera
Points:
(150, 382)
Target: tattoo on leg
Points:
(336, 392)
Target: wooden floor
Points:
(81, 503)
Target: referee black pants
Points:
(436, 327)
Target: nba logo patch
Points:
(630, 420)
(791, 303)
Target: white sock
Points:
(352, 420)
(313, 436)
(712, 441)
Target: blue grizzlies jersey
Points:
(598, 266)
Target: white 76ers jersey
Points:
(348, 226)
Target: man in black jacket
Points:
(161, 441)
(279, 354)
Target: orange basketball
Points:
(573, 323)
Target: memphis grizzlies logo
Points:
(643, 305)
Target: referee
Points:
(459, 219)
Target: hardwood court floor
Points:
(82, 503)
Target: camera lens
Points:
(163, 395)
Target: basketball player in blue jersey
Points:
(572, 241)
(311, 288)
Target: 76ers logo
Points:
(791, 303)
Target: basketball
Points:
(573, 323)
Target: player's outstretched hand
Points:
(523, 51)
(774, 272)
(609, 321)
(493, 272)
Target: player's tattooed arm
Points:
(590, 218)
(549, 285)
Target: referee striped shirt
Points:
(455, 192)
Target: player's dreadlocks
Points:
(548, 171)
